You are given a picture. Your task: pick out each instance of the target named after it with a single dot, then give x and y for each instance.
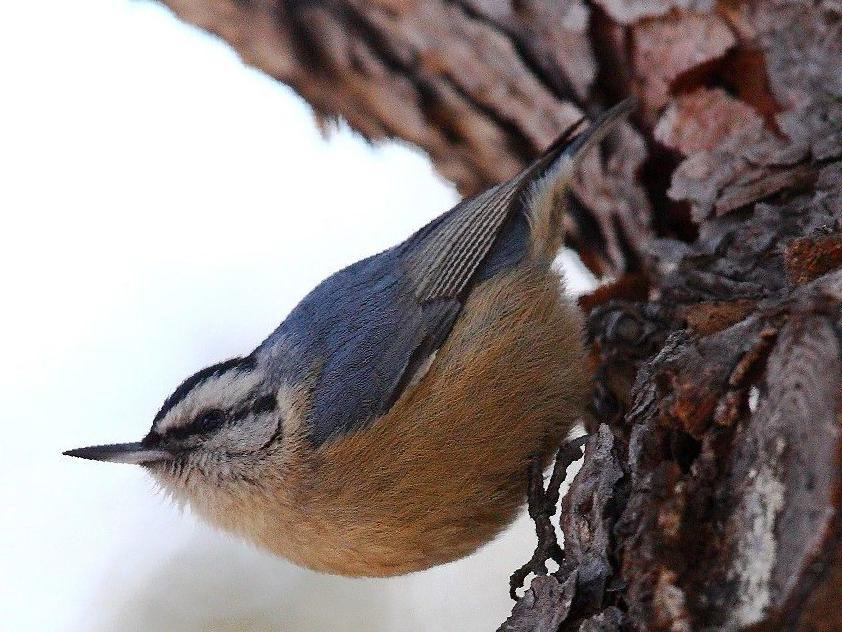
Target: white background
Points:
(163, 207)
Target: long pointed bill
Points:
(133, 453)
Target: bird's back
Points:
(371, 330)
(361, 329)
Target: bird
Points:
(388, 423)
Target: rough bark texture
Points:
(711, 492)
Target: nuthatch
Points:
(387, 425)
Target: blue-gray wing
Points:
(367, 329)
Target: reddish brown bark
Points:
(711, 491)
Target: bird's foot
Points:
(542, 506)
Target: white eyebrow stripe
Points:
(221, 391)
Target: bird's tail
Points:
(546, 181)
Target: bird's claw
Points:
(542, 506)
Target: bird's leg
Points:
(542, 504)
(540, 510)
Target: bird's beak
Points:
(133, 453)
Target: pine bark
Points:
(710, 497)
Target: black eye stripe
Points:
(151, 440)
(264, 404)
(211, 419)
(204, 422)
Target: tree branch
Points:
(711, 491)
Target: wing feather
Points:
(373, 327)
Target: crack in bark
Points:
(559, 85)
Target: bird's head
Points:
(221, 425)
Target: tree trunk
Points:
(711, 492)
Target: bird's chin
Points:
(172, 482)
(169, 475)
(194, 493)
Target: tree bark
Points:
(710, 497)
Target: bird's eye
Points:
(209, 420)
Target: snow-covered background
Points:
(163, 207)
